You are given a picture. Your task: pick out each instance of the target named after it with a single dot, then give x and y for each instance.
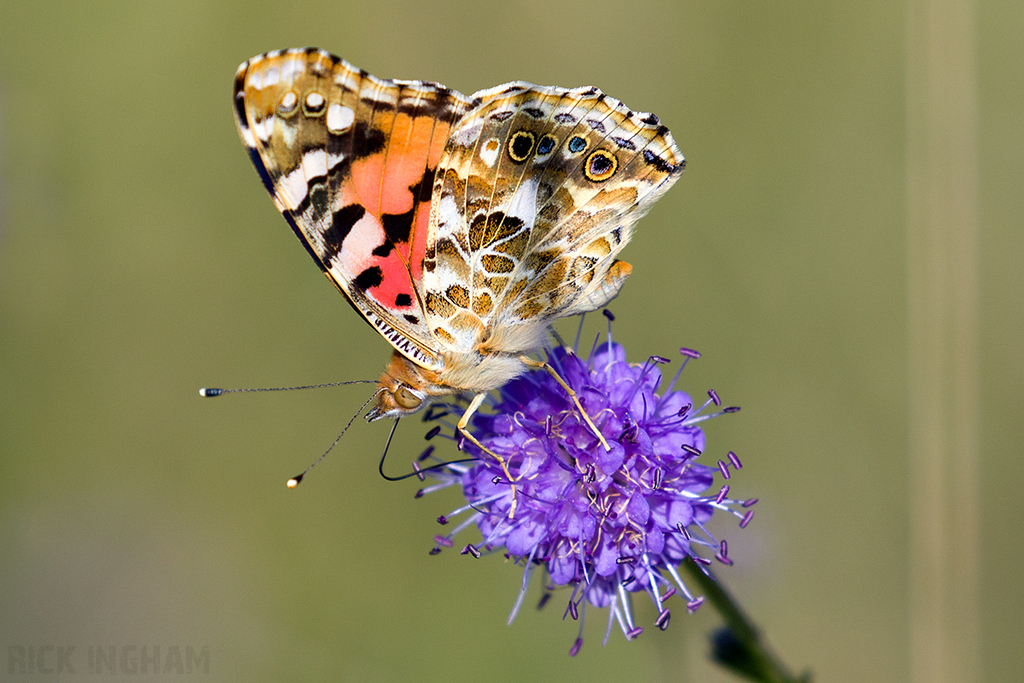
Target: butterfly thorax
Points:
(406, 387)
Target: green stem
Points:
(741, 648)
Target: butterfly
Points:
(460, 227)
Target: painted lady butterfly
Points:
(459, 227)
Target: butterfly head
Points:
(403, 390)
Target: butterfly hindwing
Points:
(349, 160)
(536, 193)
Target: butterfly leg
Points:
(572, 394)
(464, 422)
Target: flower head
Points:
(605, 522)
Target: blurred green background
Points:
(140, 259)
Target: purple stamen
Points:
(425, 454)
(625, 560)
(735, 460)
(419, 470)
(608, 314)
(693, 605)
(435, 550)
(691, 450)
(545, 596)
(443, 541)
(701, 560)
(749, 503)
(714, 397)
(471, 549)
(575, 650)
(683, 531)
(721, 495)
(657, 479)
(746, 519)
(732, 409)
(684, 410)
(662, 620)
(724, 469)
(668, 594)
(442, 520)
(661, 360)
(434, 431)
(573, 611)
(634, 632)
(689, 353)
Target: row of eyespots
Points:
(599, 166)
(339, 118)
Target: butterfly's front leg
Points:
(572, 394)
(464, 422)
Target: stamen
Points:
(721, 495)
(734, 459)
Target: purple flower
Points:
(607, 523)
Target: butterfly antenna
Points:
(209, 393)
(294, 481)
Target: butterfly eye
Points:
(520, 145)
(406, 399)
(601, 165)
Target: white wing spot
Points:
(314, 100)
(339, 118)
(489, 151)
(288, 102)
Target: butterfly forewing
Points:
(349, 160)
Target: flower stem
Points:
(739, 646)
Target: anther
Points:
(735, 460)
(690, 449)
(419, 471)
(722, 494)
(434, 431)
(694, 604)
(684, 410)
(746, 519)
(749, 503)
(442, 520)
(625, 560)
(662, 620)
(714, 397)
(724, 469)
(575, 649)
(634, 632)
(732, 409)
(425, 454)
(689, 353)
(470, 549)
(608, 314)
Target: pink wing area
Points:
(349, 160)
